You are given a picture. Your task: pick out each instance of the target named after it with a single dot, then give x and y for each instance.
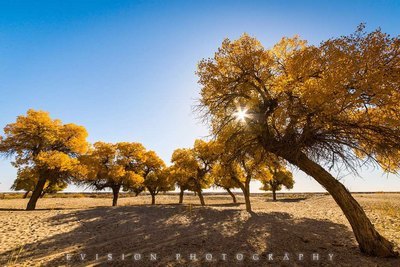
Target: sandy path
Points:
(297, 225)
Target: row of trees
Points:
(50, 154)
(334, 105)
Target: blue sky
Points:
(125, 69)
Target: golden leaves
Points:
(324, 100)
(55, 160)
(45, 148)
(123, 163)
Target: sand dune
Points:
(71, 231)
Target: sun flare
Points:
(241, 114)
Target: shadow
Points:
(237, 204)
(170, 229)
(38, 209)
(289, 200)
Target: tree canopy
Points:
(156, 175)
(113, 166)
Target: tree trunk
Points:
(246, 193)
(115, 190)
(273, 193)
(369, 240)
(26, 194)
(36, 194)
(232, 195)
(200, 194)
(181, 196)
(153, 198)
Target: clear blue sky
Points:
(125, 69)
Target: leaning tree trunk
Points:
(153, 198)
(181, 196)
(36, 194)
(369, 240)
(232, 195)
(115, 190)
(200, 194)
(26, 194)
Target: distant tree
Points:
(139, 188)
(277, 177)
(158, 181)
(191, 167)
(243, 169)
(45, 146)
(154, 178)
(113, 166)
(27, 179)
(242, 164)
(330, 105)
(54, 187)
(222, 177)
(132, 156)
(179, 175)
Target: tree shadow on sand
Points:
(37, 209)
(170, 229)
(288, 200)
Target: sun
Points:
(241, 114)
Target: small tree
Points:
(132, 156)
(185, 172)
(191, 167)
(27, 178)
(222, 178)
(109, 166)
(154, 176)
(158, 181)
(277, 177)
(179, 175)
(46, 147)
(245, 168)
(241, 163)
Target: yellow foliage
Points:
(333, 102)
(45, 148)
(191, 166)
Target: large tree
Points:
(46, 146)
(113, 166)
(316, 107)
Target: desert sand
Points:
(71, 231)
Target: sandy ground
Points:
(71, 231)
